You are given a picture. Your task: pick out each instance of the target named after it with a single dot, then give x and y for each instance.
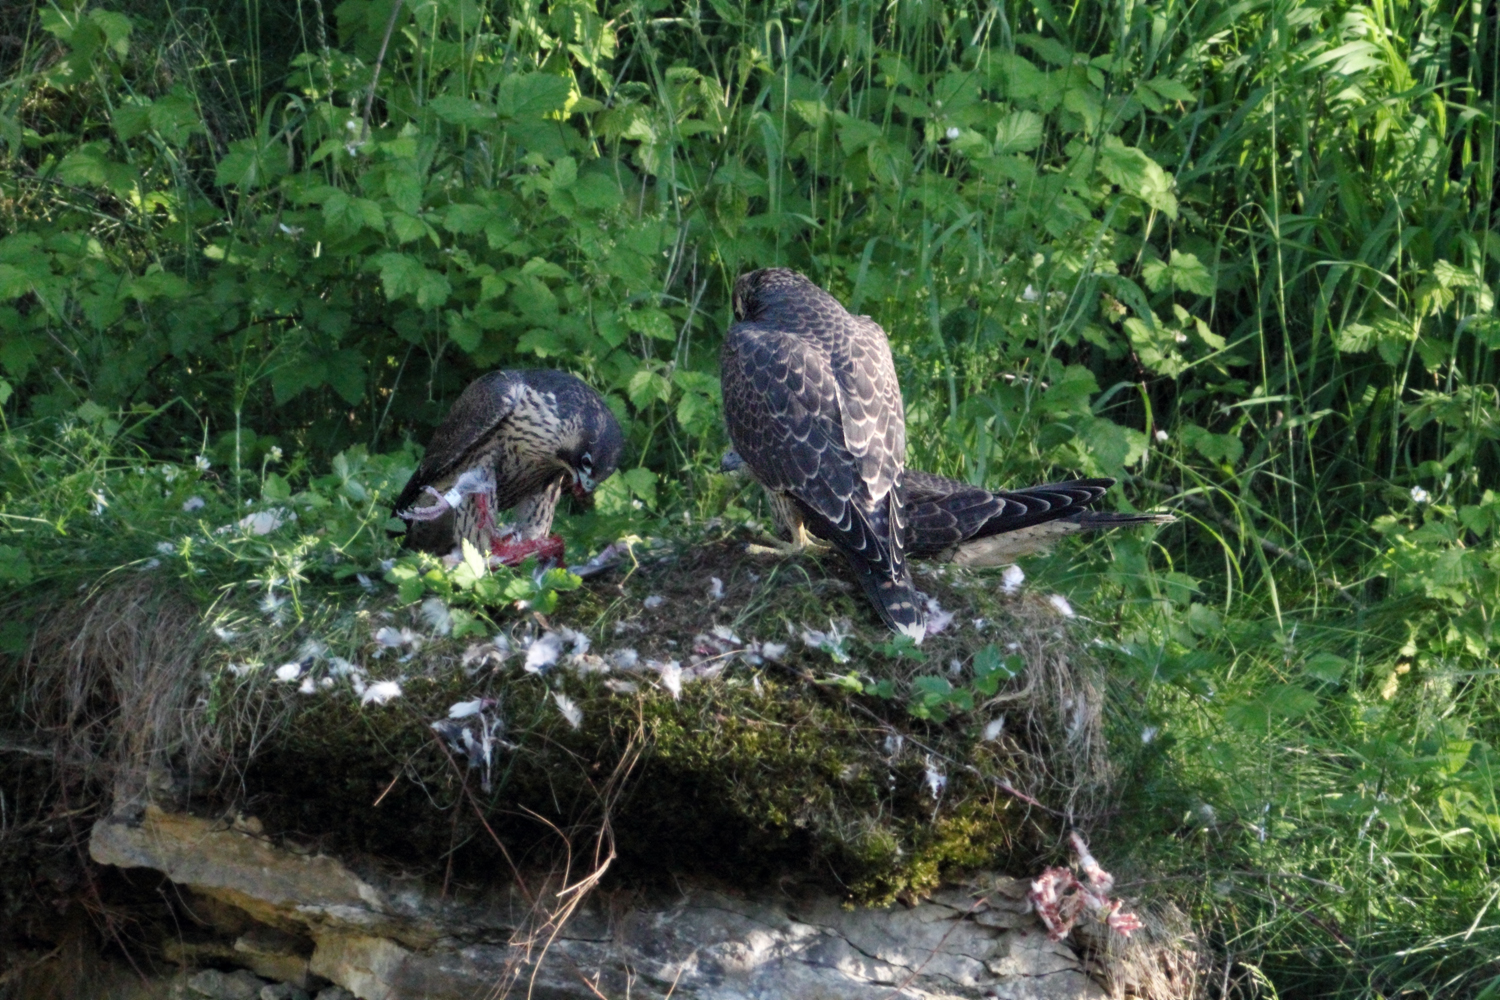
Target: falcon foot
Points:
(513, 553)
(429, 513)
(770, 545)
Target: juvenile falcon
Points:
(511, 439)
(812, 405)
(952, 521)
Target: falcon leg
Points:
(789, 518)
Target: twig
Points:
(390, 26)
(1265, 543)
(479, 814)
(381, 797)
(21, 748)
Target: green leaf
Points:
(116, 28)
(597, 191)
(1111, 446)
(696, 413)
(346, 375)
(464, 332)
(1185, 271)
(646, 387)
(15, 568)
(1226, 449)
(564, 173)
(1278, 702)
(991, 668)
(1354, 338)
(1325, 667)
(87, 166)
(462, 111)
(14, 282)
(532, 95)
(345, 214)
(157, 285)
(402, 274)
(275, 489)
(642, 483)
(856, 134)
(1018, 132)
(544, 342)
(1171, 89)
(653, 323)
(849, 682)
(1050, 49)
(132, 118)
(407, 228)
(474, 560)
(1137, 174)
(252, 163)
(410, 591)
(465, 220)
(404, 186)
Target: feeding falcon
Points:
(813, 407)
(952, 521)
(512, 439)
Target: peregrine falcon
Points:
(511, 439)
(813, 406)
(970, 526)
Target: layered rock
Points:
(303, 918)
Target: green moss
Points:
(764, 772)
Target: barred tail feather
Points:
(896, 601)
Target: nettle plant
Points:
(479, 186)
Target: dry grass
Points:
(1164, 960)
(110, 683)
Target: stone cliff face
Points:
(307, 920)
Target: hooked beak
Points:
(582, 485)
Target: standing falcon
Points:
(813, 407)
(512, 439)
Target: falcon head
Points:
(592, 454)
(756, 292)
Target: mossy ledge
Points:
(756, 773)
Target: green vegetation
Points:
(1241, 256)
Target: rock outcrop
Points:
(305, 918)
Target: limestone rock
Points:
(216, 985)
(380, 942)
(283, 991)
